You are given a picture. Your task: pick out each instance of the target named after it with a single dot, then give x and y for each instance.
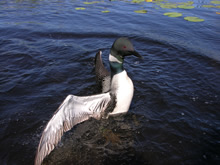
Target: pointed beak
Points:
(135, 53)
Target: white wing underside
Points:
(72, 111)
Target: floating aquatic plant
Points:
(215, 2)
(167, 5)
(90, 3)
(105, 11)
(156, 1)
(194, 19)
(141, 11)
(173, 14)
(185, 7)
(208, 6)
(217, 12)
(137, 1)
(80, 8)
(187, 3)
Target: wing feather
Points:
(72, 111)
(103, 77)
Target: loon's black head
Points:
(123, 47)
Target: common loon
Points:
(115, 99)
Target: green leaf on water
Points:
(105, 11)
(187, 3)
(173, 14)
(215, 2)
(194, 19)
(208, 6)
(141, 11)
(185, 7)
(80, 8)
(90, 3)
(167, 5)
(137, 1)
(156, 1)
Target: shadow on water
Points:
(100, 142)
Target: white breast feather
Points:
(123, 88)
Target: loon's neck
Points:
(116, 65)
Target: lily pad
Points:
(187, 3)
(105, 11)
(137, 1)
(156, 1)
(208, 6)
(141, 11)
(173, 14)
(217, 12)
(80, 8)
(167, 5)
(90, 3)
(194, 19)
(215, 2)
(149, 0)
(185, 7)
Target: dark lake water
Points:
(47, 50)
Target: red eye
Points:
(124, 47)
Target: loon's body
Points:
(120, 85)
(115, 99)
(123, 89)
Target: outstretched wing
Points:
(103, 77)
(72, 111)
